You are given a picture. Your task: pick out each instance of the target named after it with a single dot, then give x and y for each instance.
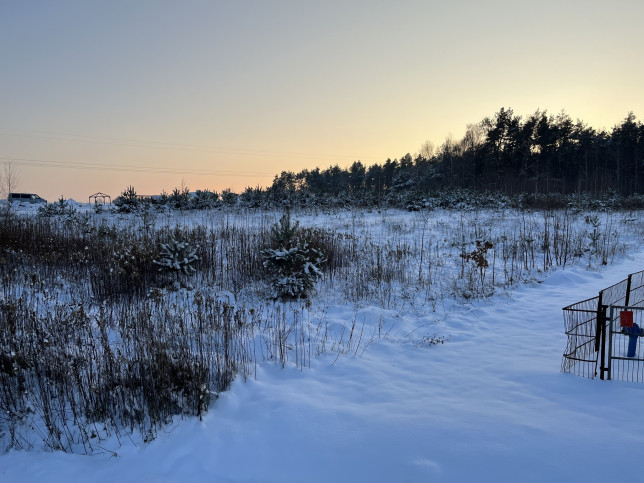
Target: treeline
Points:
(541, 156)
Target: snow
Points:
(488, 405)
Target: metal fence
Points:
(625, 353)
(587, 353)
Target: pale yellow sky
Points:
(95, 96)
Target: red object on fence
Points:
(626, 318)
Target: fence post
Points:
(627, 299)
(600, 336)
(603, 368)
(610, 342)
(599, 317)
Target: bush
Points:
(293, 264)
(128, 201)
(177, 256)
(60, 208)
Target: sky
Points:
(97, 96)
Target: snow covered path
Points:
(488, 405)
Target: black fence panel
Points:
(625, 352)
(637, 290)
(585, 322)
(580, 321)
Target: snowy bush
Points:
(205, 199)
(177, 256)
(60, 208)
(294, 265)
(128, 201)
(229, 198)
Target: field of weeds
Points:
(99, 338)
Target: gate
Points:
(586, 324)
(625, 353)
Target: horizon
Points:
(214, 95)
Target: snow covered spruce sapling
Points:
(128, 201)
(294, 266)
(177, 256)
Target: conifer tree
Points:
(293, 265)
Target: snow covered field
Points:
(488, 404)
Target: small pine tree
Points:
(294, 266)
(284, 233)
(229, 198)
(128, 201)
(177, 256)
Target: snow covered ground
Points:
(490, 404)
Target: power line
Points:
(166, 145)
(135, 169)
